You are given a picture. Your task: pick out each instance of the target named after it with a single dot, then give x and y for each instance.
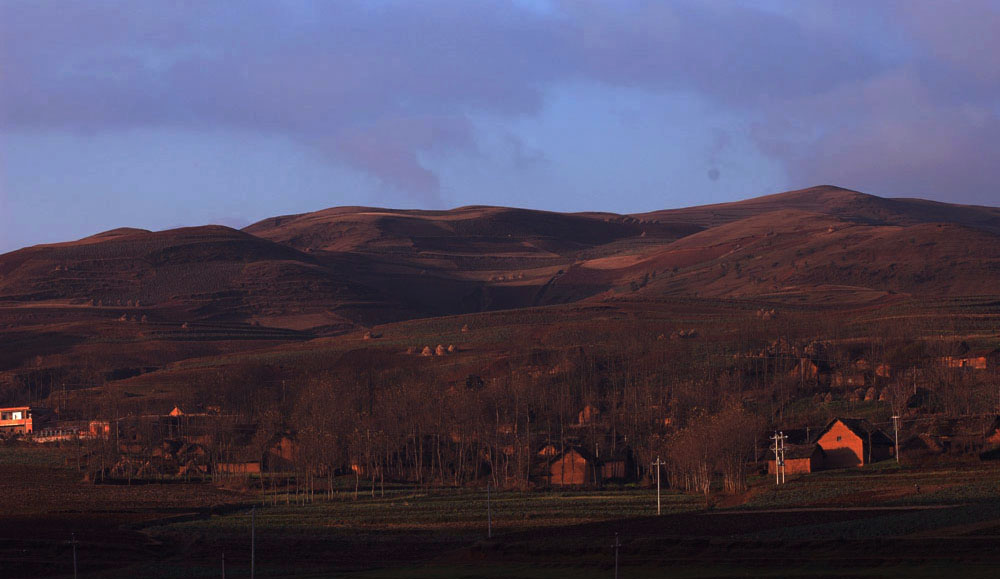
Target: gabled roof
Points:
(865, 430)
(583, 452)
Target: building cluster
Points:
(811, 363)
(852, 442)
(209, 442)
(842, 443)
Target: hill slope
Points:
(292, 278)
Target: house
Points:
(99, 428)
(805, 370)
(588, 415)
(238, 468)
(851, 442)
(847, 379)
(24, 419)
(993, 432)
(574, 466)
(618, 466)
(548, 450)
(958, 436)
(800, 459)
(972, 360)
(282, 455)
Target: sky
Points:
(168, 114)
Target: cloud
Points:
(373, 85)
(376, 85)
(389, 147)
(925, 127)
(721, 140)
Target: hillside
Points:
(191, 274)
(845, 204)
(163, 297)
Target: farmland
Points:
(868, 522)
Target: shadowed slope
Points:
(197, 273)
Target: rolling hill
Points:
(162, 297)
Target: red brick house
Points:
(574, 466)
(800, 459)
(851, 442)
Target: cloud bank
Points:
(897, 98)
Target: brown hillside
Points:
(840, 203)
(167, 296)
(189, 274)
(794, 252)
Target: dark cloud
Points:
(899, 97)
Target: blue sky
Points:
(158, 115)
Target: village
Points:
(207, 444)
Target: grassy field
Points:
(868, 522)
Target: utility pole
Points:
(895, 428)
(783, 438)
(489, 513)
(779, 457)
(617, 545)
(74, 542)
(658, 463)
(223, 565)
(253, 540)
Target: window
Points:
(838, 439)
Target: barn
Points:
(849, 442)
